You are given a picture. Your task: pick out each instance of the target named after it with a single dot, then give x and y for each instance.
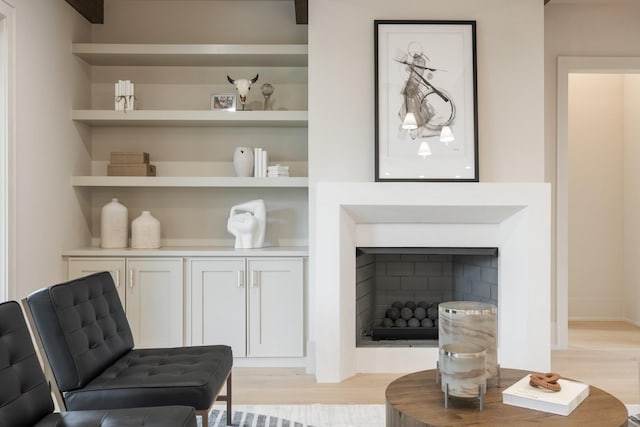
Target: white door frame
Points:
(572, 65)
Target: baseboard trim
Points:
(599, 319)
(269, 362)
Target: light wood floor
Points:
(603, 354)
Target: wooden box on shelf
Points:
(126, 158)
(134, 163)
(140, 169)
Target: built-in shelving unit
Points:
(173, 80)
(192, 148)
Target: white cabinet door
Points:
(275, 309)
(79, 267)
(218, 302)
(155, 302)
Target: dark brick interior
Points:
(382, 278)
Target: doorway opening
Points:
(595, 202)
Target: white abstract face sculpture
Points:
(243, 86)
(247, 222)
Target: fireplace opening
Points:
(398, 290)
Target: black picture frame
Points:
(427, 68)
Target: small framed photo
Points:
(223, 102)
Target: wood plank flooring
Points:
(604, 354)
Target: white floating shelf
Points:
(186, 181)
(271, 55)
(192, 118)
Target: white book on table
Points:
(562, 402)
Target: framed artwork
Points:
(223, 102)
(426, 101)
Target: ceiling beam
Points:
(302, 11)
(92, 10)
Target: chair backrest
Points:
(83, 328)
(25, 397)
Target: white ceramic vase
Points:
(243, 161)
(145, 232)
(114, 225)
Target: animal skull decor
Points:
(243, 86)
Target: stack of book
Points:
(277, 171)
(130, 164)
(125, 98)
(260, 158)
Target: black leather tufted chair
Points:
(89, 346)
(25, 398)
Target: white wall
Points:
(632, 197)
(580, 29)
(510, 86)
(583, 29)
(197, 21)
(596, 199)
(49, 146)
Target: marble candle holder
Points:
(462, 371)
(470, 322)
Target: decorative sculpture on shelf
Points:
(243, 86)
(267, 90)
(247, 222)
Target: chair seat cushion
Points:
(191, 376)
(167, 416)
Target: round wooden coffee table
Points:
(415, 400)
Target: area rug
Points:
(314, 415)
(319, 415)
(634, 415)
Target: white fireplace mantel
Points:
(515, 217)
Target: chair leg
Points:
(204, 415)
(229, 413)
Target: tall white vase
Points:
(243, 161)
(114, 225)
(145, 232)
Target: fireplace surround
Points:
(513, 217)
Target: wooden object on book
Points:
(415, 400)
(142, 169)
(125, 158)
(562, 401)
